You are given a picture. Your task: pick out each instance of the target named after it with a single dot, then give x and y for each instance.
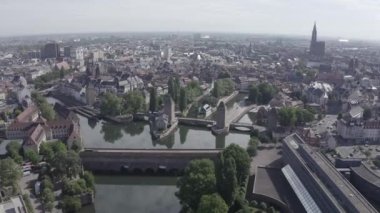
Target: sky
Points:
(335, 18)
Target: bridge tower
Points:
(221, 126)
(221, 113)
(169, 110)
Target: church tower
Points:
(314, 34)
(317, 48)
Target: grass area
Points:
(28, 204)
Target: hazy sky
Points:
(337, 18)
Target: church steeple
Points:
(314, 35)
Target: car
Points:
(26, 173)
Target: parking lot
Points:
(358, 151)
(326, 124)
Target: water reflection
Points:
(183, 134)
(220, 141)
(111, 132)
(168, 141)
(134, 128)
(137, 136)
(92, 123)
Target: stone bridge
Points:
(236, 125)
(196, 122)
(167, 161)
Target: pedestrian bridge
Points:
(172, 161)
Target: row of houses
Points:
(86, 93)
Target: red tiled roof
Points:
(36, 136)
(27, 113)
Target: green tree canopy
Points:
(90, 180)
(13, 151)
(290, 116)
(135, 102)
(252, 146)
(47, 110)
(199, 179)
(32, 156)
(241, 158)
(153, 100)
(110, 104)
(367, 113)
(227, 183)
(262, 93)
(183, 99)
(71, 204)
(10, 172)
(223, 87)
(212, 204)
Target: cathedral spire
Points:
(314, 35)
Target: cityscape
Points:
(189, 121)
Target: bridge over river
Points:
(142, 160)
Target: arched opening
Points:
(137, 171)
(124, 169)
(161, 169)
(174, 171)
(149, 171)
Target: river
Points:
(134, 194)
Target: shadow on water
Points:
(111, 132)
(168, 141)
(183, 134)
(220, 141)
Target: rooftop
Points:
(348, 191)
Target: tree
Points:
(73, 164)
(177, 87)
(90, 180)
(171, 87)
(110, 104)
(47, 184)
(153, 102)
(58, 146)
(367, 114)
(227, 183)
(199, 179)
(47, 151)
(61, 73)
(340, 116)
(71, 204)
(76, 146)
(10, 172)
(287, 117)
(242, 161)
(216, 90)
(135, 102)
(13, 151)
(212, 204)
(32, 156)
(47, 196)
(253, 94)
(47, 111)
(183, 99)
(262, 93)
(252, 146)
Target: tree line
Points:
(216, 187)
